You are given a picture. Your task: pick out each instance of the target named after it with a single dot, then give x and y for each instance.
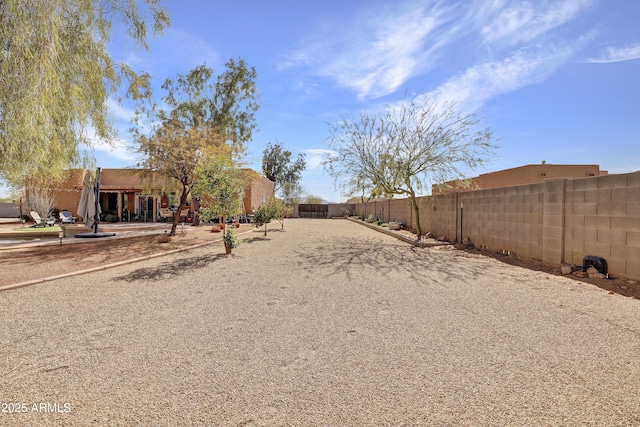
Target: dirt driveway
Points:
(325, 323)
(22, 265)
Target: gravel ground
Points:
(325, 323)
(47, 258)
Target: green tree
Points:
(219, 186)
(174, 153)
(292, 192)
(405, 149)
(263, 216)
(57, 76)
(313, 200)
(278, 166)
(279, 209)
(198, 119)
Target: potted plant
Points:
(230, 240)
(163, 238)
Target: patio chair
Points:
(38, 221)
(66, 218)
(166, 214)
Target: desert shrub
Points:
(111, 218)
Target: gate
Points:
(313, 211)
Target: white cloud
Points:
(118, 147)
(501, 46)
(523, 21)
(613, 54)
(482, 82)
(119, 111)
(378, 54)
(179, 48)
(315, 156)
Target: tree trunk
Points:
(265, 228)
(416, 214)
(196, 217)
(176, 217)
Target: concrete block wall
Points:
(387, 210)
(602, 218)
(558, 221)
(338, 210)
(439, 216)
(504, 219)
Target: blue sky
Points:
(556, 80)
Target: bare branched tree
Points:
(405, 149)
(42, 200)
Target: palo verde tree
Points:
(198, 119)
(406, 148)
(56, 79)
(278, 166)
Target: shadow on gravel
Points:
(167, 270)
(620, 286)
(353, 256)
(255, 239)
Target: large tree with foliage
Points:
(57, 76)
(279, 167)
(197, 119)
(219, 186)
(406, 148)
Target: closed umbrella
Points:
(88, 206)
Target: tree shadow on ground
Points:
(168, 270)
(255, 239)
(269, 230)
(357, 256)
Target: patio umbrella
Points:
(88, 208)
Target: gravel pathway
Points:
(325, 323)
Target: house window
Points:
(591, 174)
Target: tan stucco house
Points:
(132, 196)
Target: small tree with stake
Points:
(263, 215)
(219, 186)
(279, 209)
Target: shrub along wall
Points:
(558, 221)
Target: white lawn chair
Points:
(66, 218)
(39, 222)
